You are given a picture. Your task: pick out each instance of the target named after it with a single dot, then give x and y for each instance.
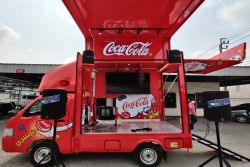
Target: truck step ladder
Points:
(225, 151)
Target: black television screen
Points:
(127, 83)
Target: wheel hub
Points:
(241, 119)
(148, 156)
(41, 153)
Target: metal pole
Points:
(218, 143)
(220, 48)
(54, 134)
(223, 44)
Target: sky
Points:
(42, 31)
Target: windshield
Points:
(34, 110)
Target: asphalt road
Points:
(234, 136)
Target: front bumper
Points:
(7, 144)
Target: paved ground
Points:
(233, 135)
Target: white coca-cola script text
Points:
(133, 49)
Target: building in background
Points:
(17, 80)
(239, 94)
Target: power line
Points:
(214, 47)
(240, 39)
(241, 32)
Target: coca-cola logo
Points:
(144, 101)
(128, 24)
(134, 105)
(195, 66)
(133, 49)
(111, 25)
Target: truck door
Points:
(30, 127)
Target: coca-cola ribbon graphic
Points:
(45, 127)
(133, 105)
(133, 49)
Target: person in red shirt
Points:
(192, 114)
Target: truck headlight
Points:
(8, 132)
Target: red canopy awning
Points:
(167, 15)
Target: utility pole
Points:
(223, 44)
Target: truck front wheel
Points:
(148, 155)
(40, 151)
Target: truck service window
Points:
(127, 83)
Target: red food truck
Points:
(115, 101)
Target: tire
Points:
(241, 119)
(39, 151)
(148, 155)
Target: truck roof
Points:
(62, 77)
(163, 15)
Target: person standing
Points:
(192, 114)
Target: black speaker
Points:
(217, 106)
(54, 104)
(88, 57)
(174, 56)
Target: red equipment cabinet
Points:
(127, 37)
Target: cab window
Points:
(34, 110)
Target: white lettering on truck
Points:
(133, 49)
